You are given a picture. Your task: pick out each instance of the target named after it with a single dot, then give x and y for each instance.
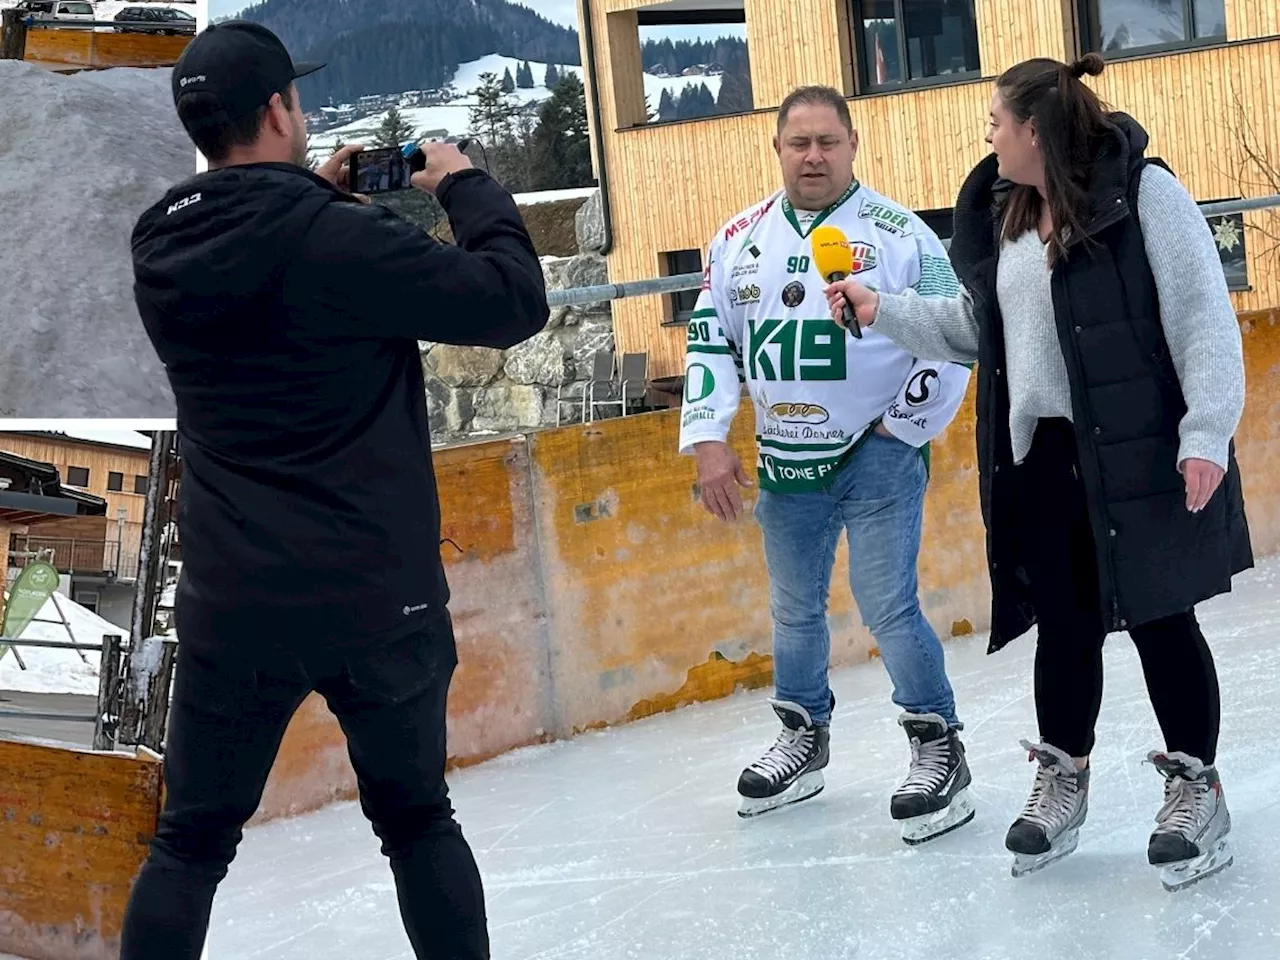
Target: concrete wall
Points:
(592, 589)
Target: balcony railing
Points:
(83, 557)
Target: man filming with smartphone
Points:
(288, 315)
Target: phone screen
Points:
(379, 171)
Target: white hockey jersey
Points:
(762, 318)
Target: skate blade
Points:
(1028, 863)
(930, 826)
(1181, 875)
(809, 785)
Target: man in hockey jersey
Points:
(842, 426)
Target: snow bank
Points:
(58, 671)
(81, 157)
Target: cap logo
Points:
(185, 80)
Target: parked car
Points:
(178, 21)
(57, 9)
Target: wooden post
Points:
(149, 668)
(104, 728)
(13, 34)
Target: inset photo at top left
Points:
(89, 140)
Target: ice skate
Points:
(1049, 826)
(1190, 841)
(791, 769)
(934, 798)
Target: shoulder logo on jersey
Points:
(747, 293)
(886, 218)
(746, 221)
(865, 257)
(706, 278)
(921, 387)
(793, 293)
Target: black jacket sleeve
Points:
(367, 272)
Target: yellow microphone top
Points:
(831, 252)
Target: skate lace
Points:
(788, 753)
(1053, 798)
(930, 764)
(1186, 804)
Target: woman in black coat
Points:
(1110, 385)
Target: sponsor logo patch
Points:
(793, 293)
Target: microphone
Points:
(834, 259)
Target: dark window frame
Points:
(678, 316)
(1246, 285)
(73, 483)
(140, 484)
(1089, 20)
(712, 16)
(115, 481)
(865, 86)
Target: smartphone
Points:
(379, 171)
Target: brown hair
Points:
(1069, 118)
(816, 96)
(216, 140)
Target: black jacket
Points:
(1154, 558)
(287, 316)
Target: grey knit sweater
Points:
(1195, 309)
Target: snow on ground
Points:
(552, 196)
(81, 157)
(455, 116)
(53, 670)
(625, 843)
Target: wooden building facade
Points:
(1208, 99)
(100, 553)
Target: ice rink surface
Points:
(626, 843)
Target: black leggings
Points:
(232, 701)
(1057, 549)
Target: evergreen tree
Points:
(492, 116)
(552, 77)
(508, 84)
(395, 130)
(561, 148)
(524, 76)
(666, 105)
(735, 92)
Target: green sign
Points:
(34, 586)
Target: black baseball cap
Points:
(243, 64)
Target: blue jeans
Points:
(878, 497)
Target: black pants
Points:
(233, 698)
(1056, 545)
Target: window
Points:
(1120, 26)
(140, 484)
(1228, 236)
(695, 63)
(78, 476)
(680, 305)
(88, 599)
(115, 481)
(913, 42)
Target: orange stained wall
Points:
(74, 829)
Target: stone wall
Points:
(477, 392)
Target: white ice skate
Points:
(934, 798)
(791, 769)
(1049, 827)
(1190, 841)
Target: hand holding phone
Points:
(442, 159)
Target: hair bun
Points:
(1090, 63)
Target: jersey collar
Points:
(789, 212)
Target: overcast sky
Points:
(557, 11)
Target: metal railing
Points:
(76, 556)
(580, 296)
(106, 719)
